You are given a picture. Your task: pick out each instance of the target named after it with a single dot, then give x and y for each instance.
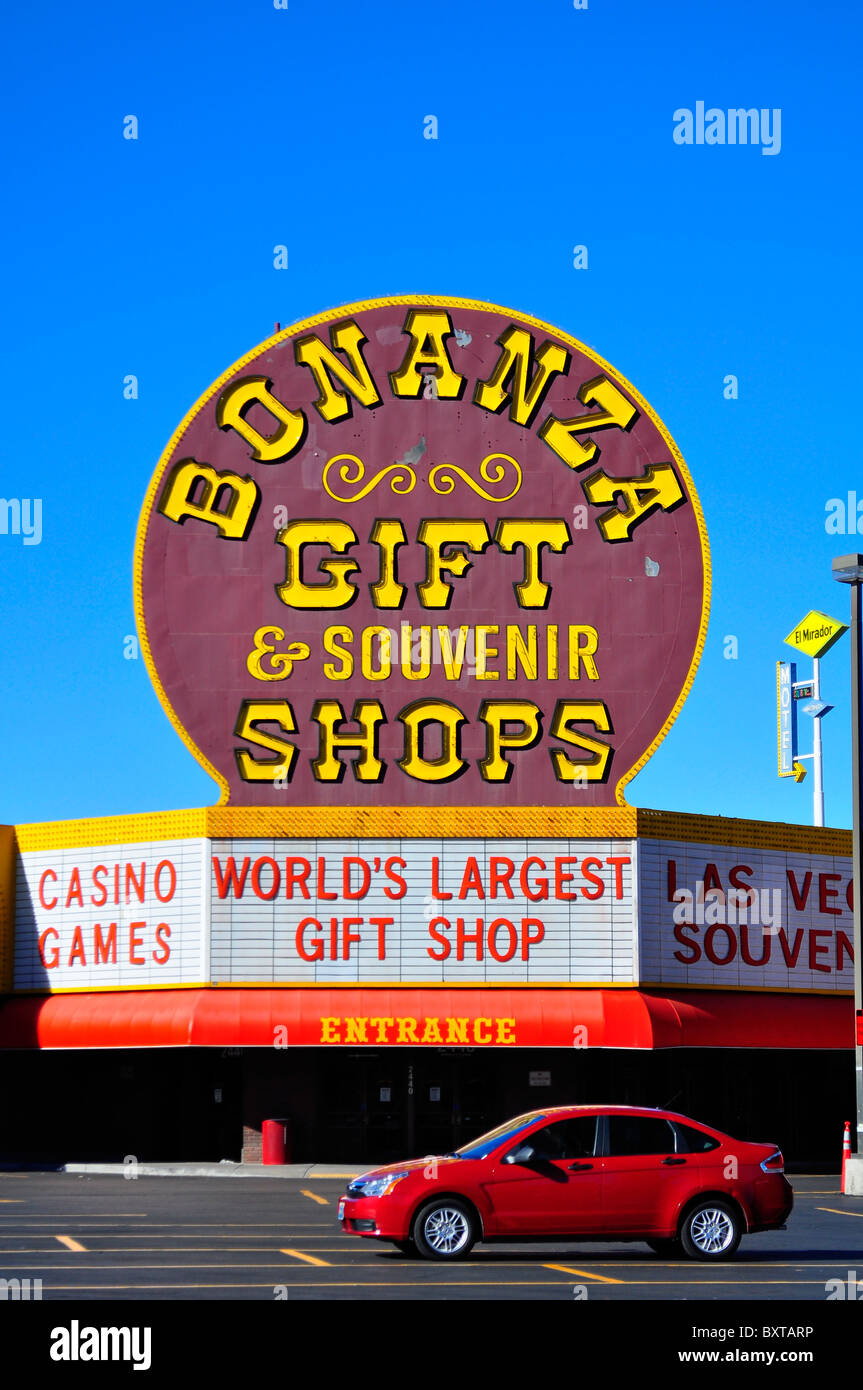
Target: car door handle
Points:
(579, 1167)
(672, 1162)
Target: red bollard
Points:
(276, 1141)
(846, 1150)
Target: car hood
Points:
(411, 1165)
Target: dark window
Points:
(639, 1134)
(574, 1138)
(694, 1141)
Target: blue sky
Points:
(304, 126)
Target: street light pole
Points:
(856, 793)
(848, 569)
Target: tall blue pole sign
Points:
(786, 714)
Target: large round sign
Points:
(422, 552)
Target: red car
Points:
(611, 1172)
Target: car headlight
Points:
(382, 1186)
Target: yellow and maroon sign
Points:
(422, 552)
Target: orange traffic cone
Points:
(846, 1149)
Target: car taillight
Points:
(774, 1164)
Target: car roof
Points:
(613, 1109)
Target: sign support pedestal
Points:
(817, 771)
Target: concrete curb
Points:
(192, 1170)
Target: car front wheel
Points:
(445, 1229)
(711, 1230)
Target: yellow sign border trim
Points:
(325, 815)
(411, 823)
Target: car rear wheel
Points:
(711, 1230)
(445, 1229)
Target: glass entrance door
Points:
(399, 1103)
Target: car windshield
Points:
(480, 1147)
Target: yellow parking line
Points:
(481, 1261)
(323, 1201)
(199, 1264)
(480, 1267)
(837, 1212)
(309, 1259)
(71, 1244)
(585, 1274)
(178, 1225)
(389, 1284)
(296, 1284)
(459, 1283)
(182, 1235)
(11, 1253)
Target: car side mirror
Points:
(524, 1154)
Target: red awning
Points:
(574, 1017)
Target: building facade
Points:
(173, 980)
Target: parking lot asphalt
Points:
(97, 1237)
